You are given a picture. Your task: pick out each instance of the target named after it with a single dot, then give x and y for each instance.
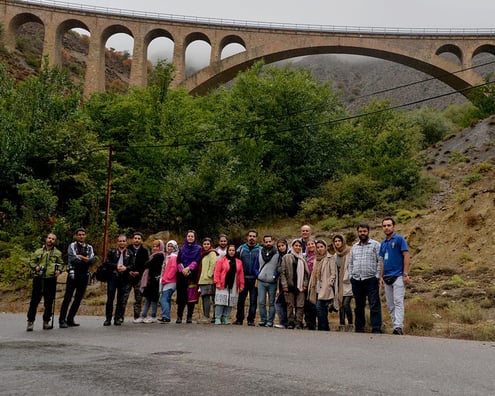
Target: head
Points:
(122, 241)
(311, 246)
(297, 246)
(305, 232)
(51, 238)
(190, 237)
(282, 246)
(157, 246)
(231, 251)
(388, 226)
(363, 231)
(338, 242)
(222, 241)
(172, 246)
(81, 235)
(267, 242)
(206, 243)
(137, 239)
(252, 237)
(321, 247)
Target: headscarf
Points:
(301, 263)
(190, 252)
(345, 249)
(230, 276)
(344, 253)
(175, 245)
(161, 249)
(316, 275)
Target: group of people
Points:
(301, 282)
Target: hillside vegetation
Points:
(275, 149)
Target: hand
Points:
(382, 283)
(407, 280)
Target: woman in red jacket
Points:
(229, 282)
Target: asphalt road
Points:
(149, 359)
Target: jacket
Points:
(323, 279)
(287, 273)
(221, 269)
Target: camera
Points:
(41, 272)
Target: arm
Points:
(406, 256)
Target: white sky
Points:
(455, 14)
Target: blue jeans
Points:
(166, 302)
(147, 304)
(369, 288)
(263, 289)
(322, 313)
(249, 287)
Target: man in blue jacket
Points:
(249, 255)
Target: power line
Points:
(177, 144)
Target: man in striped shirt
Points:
(365, 274)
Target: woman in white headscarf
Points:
(169, 280)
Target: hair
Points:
(389, 218)
(223, 236)
(338, 236)
(322, 242)
(207, 239)
(267, 236)
(363, 225)
(122, 235)
(296, 241)
(252, 230)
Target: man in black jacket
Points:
(139, 256)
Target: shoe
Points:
(138, 320)
(149, 320)
(218, 322)
(279, 326)
(238, 323)
(398, 331)
(261, 324)
(269, 324)
(178, 321)
(63, 324)
(204, 321)
(342, 328)
(163, 320)
(71, 323)
(47, 325)
(349, 328)
(107, 322)
(226, 322)
(299, 327)
(30, 326)
(118, 322)
(291, 326)
(250, 323)
(189, 320)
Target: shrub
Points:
(419, 318)
(467, 313)
(484, 331)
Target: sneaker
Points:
(279, 326)
(107, 323)
(261, 324)
(250, 323)
(47, 325)
(189, 320)
(30, 326)
(63, 324)
(226, 322)
(269, 324)
(398, 331)
(149, 320)
(118, 322)
(218, 321)
(163, 320)
(178, 321)
(138, 320)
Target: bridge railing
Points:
(257, 24)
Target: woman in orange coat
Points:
(229, 282)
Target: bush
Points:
(468, 313)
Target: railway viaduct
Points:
(417, 48)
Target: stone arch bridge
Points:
(419, 49)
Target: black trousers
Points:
(77, 285)
(42, 288)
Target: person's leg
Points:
(272, 290)
(346, 302)
(262, 290)
(399, 290)
(322, 313)
(49, 290)
(289, 299)
(281, 308)
(37, 293)
(138, 299)
(120, 307)
(241, 301)
(360, 296)
(190, 311)
(166, 303)
(219, 313)
(154, 309)
(146, 308)
(253, 301)
(81, 285)
(373, 291)
(206, 300)
(111, 290)
(226, 314)
(300, 298)
(70, 287)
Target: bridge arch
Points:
(450, 49)
(488, 48)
